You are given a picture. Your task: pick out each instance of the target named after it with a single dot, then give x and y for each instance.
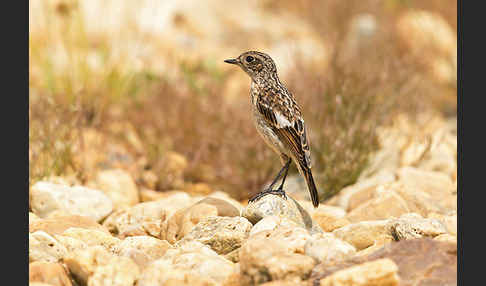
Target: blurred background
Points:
(141, 86)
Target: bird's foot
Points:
(278, 192)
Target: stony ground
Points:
(396, 226)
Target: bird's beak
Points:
(232, 61)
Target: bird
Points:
(278, 120)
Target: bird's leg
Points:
(284, 177)
(269, 190)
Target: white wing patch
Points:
(282, 121)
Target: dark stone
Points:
(421, 262)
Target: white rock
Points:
(93, 237)
(48, 197)
(327, 248)
(119, 186)
(270, 223)
(142, 249)
(43, 247)
(95, 266)
(193, 263)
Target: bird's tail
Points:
(306, 171)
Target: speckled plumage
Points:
(276, 114)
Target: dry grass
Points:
(342, 105)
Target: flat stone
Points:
(422, 261)
(381, 272)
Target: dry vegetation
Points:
(359, 91)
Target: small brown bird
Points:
(278, 120)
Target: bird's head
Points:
(255, 64)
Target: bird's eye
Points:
(249, 59)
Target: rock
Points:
(352, 196)
(48, 197)
(193, 263)
(412, 226)
(142, 249)
(384, 161)
(120, 271)
(68, 180)
(417, 201)
(437, 185)
(82, 263)
(385, 204)
(171, 168)
(222, 234)
(272, 222)
(449, 221)
(183, 221)
(275, 255)
(95, 266)
(421, 261)
(326, 247)
(59, 224)
(446, 238)
(93, 238)
(70, 243)
(146, 218)
(233, 256)
(364, 234)
(43, 247)
(381, 272)
(425, 260)
(33, 218)
(119, 186)
(275, 205)
(224, 196)
(329, 220)
(57, 214)
(48, 272)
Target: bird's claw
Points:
(278, 192)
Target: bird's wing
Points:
(283, 114)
